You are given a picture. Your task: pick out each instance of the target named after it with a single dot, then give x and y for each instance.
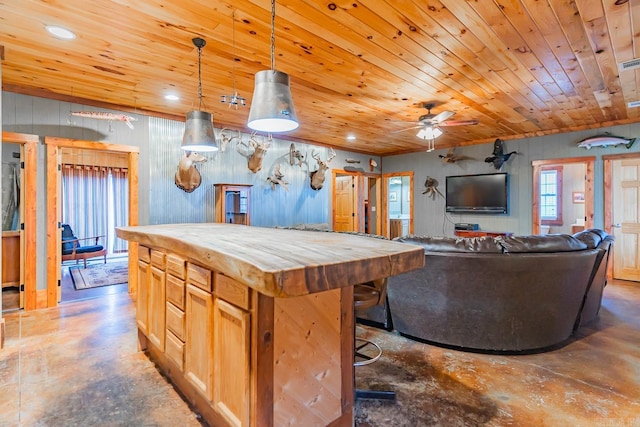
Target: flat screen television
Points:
(482, 193)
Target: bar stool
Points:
(365, 296)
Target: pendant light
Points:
(198, 130)
(272, 107)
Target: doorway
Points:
(355, 199)
(562, 195)
(398, 204)
(622, 213)
(55, 147)
(25, 236)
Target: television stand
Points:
(480, 233)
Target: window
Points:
(551, 195)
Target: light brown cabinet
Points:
(10, 258)
(198, 357)
(232, 203)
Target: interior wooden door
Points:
(345, 206)
(625, 193)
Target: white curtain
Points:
(94, 202)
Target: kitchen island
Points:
(255, 325)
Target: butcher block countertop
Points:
(281, 262)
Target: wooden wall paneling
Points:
(262, 357)
(318, 396)
(133, 216)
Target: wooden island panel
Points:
(264, 336)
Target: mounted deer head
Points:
(225, 139)
(259, 151)
(317, 177)
(188, 177)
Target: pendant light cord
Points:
(199, 78)
(273, 35)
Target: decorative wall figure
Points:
(277, 178)
(498, 158)
(188, 177)
(318, 176)
(452, 157)
(372, 164)
(431, 188)
(295, 155)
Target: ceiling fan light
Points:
(429, 132)
(199, 135)
(272, 106)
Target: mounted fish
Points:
(431, 188)
(451, 157)
(349, 160)
(605, 140)
(499, 157)
(99, 115)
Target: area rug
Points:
(98, 275)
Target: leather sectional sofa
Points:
(505, 294)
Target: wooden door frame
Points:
(359, 190)
(385, 201)
(28, 195)
(54, 256)
(608, 197)
(588, 191)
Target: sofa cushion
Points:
(452, 244)
(589, 237)
(541, 244)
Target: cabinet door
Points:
(157, 307)
(198, 357)
(142, 301)
(231, 361)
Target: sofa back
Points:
(499, 244)
(503, 293)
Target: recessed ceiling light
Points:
(351, 137)
(171, 97)
(60, 32)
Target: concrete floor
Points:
(78, 365)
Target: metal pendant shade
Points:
(198, 132)
(198, 129)
(272, 106)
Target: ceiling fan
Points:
(429, 124)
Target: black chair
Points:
(73, 250)
(365, 296)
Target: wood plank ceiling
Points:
(519, 67)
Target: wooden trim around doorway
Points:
(53, 205)
(30, 147)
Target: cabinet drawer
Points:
(144, 254)
(232, 291)
(175, 350)
(175, 321)
(158, 258)
(177, 266)
(175, 291)
(199, 276)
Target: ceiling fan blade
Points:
(406, 129)
(459, 122)
(441, 117)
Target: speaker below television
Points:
(466, 226)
